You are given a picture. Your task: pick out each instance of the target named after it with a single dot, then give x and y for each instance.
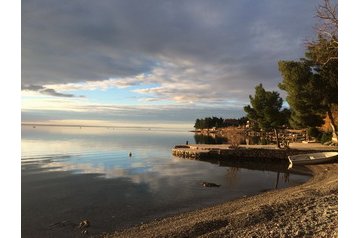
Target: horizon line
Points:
(101, 126)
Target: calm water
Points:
(71, 173)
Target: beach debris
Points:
(207, 184)
(84, 224)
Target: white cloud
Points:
(100, 84)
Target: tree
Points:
(266, 110)
(209, 122)
(303, 94)
(312, 83)
(325, 48)
(323, 53)
(197, 124)
(242, 121)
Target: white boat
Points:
(312, 158)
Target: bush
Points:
(314, 132)
(326, 137)
(322, 137)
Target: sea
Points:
(114, 178)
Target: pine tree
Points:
(266, 110)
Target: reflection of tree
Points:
(205, 139)
(236, 139)
(285, 177)
(277, 179)
(231, 175)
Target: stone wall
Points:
(245, 154)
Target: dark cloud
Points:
(52, 92)
(32, 87)
(47, 91)
(232, 45)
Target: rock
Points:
(83, 224)
(300, 233)
(206, 184)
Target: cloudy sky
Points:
(131, 62)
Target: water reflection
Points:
(235, 166)
(209, 139)
(71, 175)
(238, 139)
(46, 140)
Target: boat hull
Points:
(313, 158)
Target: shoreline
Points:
(309, 209)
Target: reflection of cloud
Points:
(137, 165)
(153, 175)
(87, 169)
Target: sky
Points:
(154, 63)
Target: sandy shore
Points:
(307, 210)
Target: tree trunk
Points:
(333, 126)
(307, 136)
(277, 140)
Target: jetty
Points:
(198, 151)
(262, 153)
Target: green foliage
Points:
(311, 86)
(323, 51)
(322, 137)
(312, 83)
(265, 109)
(304, 96)
(242, 121)
(323, 55)
(314, 132)
(325, 137)
(208, 122)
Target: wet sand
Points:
(307, 210)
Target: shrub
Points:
(326, 137)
